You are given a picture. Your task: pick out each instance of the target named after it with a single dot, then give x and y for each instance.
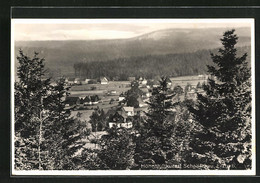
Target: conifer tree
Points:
(133, 94)
(29, 110)
(222, 138)
(60, 126)
(117, 149)
(98, 120)
(46, 137)
(155, 143)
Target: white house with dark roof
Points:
(104, 81)
(121, 118)
(129, 111)
(86, 81)
(77, 81)
(70, 81)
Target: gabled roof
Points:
(70, 100)
(128, 109)
(103, 79)
(87, 99)
(122, 113)
(168, 80)
(119, 116)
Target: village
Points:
(88, 95)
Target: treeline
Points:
(149, 66)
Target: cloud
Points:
(106, 30)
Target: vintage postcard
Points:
(133, 97)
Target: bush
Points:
(111, 101)
(92, 81)
(93, 88)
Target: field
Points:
(105, 92)
(184, 80)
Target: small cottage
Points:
(121, 98)
(77, 81)
(129, 111)
(131, 78)
(104, 81)
(86, 81)
(69, 81)
(72, 101)
(121, 118)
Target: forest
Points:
(150, 66)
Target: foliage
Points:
(182, 133)
(111, 101)
(46, 136)
(88, 160)
(155, 140)
(29, 93)
(98, 120)
(148, 66)
(117, 149)
(133, 94)
(223, 115)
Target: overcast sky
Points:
(106, 29)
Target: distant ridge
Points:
(61, 55)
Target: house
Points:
(121, 98)
(192, 93)
(141, 103)
(131, 78)
(146, 92)
(129, 111)
(121, 125)
(169, 82)
(78, 81)
(113, 91)
(201, 77)
(104, 81)
(87, 101)
(121, 119)
(86, 81)
(69, 81)
(144, 82)
(72, 102)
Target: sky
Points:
(94, 29)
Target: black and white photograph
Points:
(133, 96)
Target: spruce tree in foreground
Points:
(46, 137)
(222, 137)
(29, 110)
(117, 149)
(155, 144)
(61, 132)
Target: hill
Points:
(62, 55)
